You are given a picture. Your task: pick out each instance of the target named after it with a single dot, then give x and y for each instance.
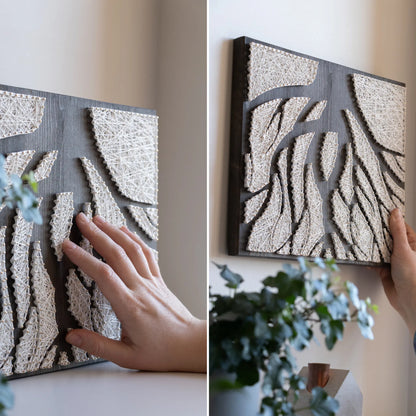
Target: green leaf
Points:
(271, 303)
(353, 293)
(4, 181)
(247, 373)
(281, 331)
(303, 334)
(274, 376)
(6, 395)
(275, 281)
(322, 404)
(333, 331)
(289, 287)
(339, 307)
(320, 263)
(331, 264)
(374, 308)
(30, 179)
(245, 342)
(305, 265)
(232, 351)
(261, 329)
(365, 322)
(223, 385)
(234, 279)
(322, 311)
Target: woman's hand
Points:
(158, 332)
(399, 280)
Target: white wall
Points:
(112, 51)
(98, 49)
(370, 35)
(181, 104)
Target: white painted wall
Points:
(376, 36)
(98, 49)
(112, 51)
(181, 104)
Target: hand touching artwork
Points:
(399, 281)
(158, 332)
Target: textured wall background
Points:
(369, 35)
(112, 51)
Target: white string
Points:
(19, 113)
(383, 105)
(270, 68)
(127, 142)
(61, 221)
(44, 297)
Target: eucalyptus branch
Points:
(16, 192)
(269, 324)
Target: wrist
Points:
(198, 343)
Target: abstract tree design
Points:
(310, 189)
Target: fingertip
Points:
(99, 220)
(68, 245)
(81, 219)
(74, 338)
(396, 215)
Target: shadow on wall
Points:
(394, 53)
(123, 60)
(220, 165)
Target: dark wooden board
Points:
(66, 126)
(333, 83)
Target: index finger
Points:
(113, 254)
(112, 287)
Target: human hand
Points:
(399, 280)
(158, 332)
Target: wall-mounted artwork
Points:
(87, 156)
(316, 159)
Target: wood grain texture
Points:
(333, 83)
(67, 128)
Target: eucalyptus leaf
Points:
(322, 404)
(353, 294)
(234, 279)
(338, 307)
(247, 373)
(257, 331)
(333, 331)
(15, 193)
(6, 396)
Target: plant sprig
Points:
(256, 331)
(19, 192)
(6, 396)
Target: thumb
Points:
(100, 346)
(398, 231)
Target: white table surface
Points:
(106, 389)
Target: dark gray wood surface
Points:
(333, 83)
(66, 127)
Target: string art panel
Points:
(316, 158)
(89, 156)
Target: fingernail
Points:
(98, 219)
(397, 213)
(73, 339)
(68, 245)
(82, 218)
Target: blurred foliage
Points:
(18, 192)
(252, 332)
(6, 396)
